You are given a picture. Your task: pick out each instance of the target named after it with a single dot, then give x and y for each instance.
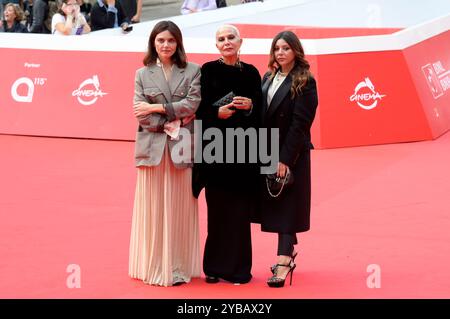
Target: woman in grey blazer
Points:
(164, 245)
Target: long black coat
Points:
(290, 212)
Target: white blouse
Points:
(274, 86)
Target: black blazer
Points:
(101, 18)
(293, 117)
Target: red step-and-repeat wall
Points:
(365, 98)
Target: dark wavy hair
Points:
(179, 57)
(300, 72)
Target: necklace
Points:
(279, 77)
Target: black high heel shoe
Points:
(273, 267)
(278, 282)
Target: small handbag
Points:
(275, 184)
(227, 99)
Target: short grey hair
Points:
(231, 27)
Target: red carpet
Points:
(69, 201)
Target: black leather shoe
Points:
(212, 279)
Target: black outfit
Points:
(230, 188)
(101, 18)
(16, 28)
(289, 213)
(221, 3)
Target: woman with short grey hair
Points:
(230, 187)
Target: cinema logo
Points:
(365, 95)
(89, 91)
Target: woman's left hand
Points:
(142, 109)
(242, 103)
(282, 170)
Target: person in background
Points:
(40, 15)
(69, 20)
(230, 186)
(13, 15)
(3, 4)
(107, 14)
(221, 3)
(289, 104)
(132, 9)
(191, 6)
(165, 243)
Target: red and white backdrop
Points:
(366, 97)
(68, 93)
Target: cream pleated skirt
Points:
(164, 244)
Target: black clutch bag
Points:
(275, 184)
(227, 99)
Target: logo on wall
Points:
(28, 97)
(365, 95)
(89, 91)
(438, 78)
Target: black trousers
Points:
(286, 244)
(228, 248)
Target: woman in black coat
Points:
(289, 104)
(230, 187)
